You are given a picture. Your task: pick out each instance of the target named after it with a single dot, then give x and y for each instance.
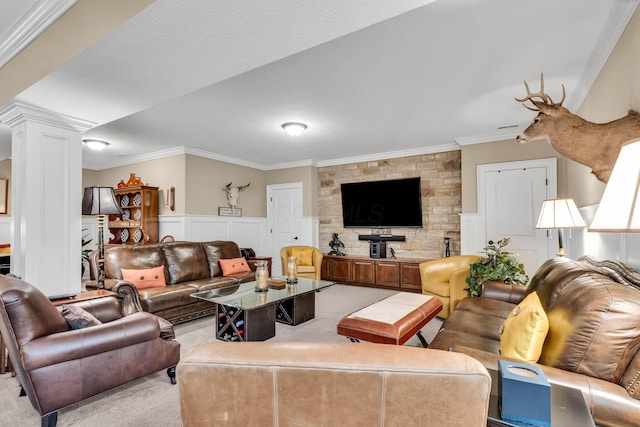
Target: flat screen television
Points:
(382, 204)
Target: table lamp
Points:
(619, 210)
(100, 201)
(560, 213)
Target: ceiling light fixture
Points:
(294, 128)
(96, 144)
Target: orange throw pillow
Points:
(145, 278)
(234, 266)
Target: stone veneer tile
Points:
(441, 198)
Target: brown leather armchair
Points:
(58, 366)
(312, 271)
(445, 279)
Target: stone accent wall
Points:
(440, 175)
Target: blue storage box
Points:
(524, 393)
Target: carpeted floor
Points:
(153, 401)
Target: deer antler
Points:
(543, 96)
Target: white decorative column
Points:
(46, 192)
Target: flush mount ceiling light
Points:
(294, 128)
(96, 144)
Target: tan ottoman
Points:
(392, 320)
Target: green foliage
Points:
(85, 242)
(498, 266)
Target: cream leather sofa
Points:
(330, 384)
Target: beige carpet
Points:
(153, 401)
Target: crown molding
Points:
(302, 163)
(391, 154)
(617, 21)
(30, 25)
(13, 113)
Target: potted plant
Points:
(85, 251)
(499, 265)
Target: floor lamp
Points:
(619, 210)
(560, 213)
(100, 201)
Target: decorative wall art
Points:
(595, 145)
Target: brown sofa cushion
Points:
(133, 257)
(593, 319)
(185, 262)
(217, 250)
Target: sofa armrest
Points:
(457, 285)
(79, 343)
(507, 292)
(126, 290)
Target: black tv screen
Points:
(382, 204)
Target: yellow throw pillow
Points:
(524, 331)
(304, 256)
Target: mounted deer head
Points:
(233, 194)
(595, 145)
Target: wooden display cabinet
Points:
(139, 223)
(402, 274)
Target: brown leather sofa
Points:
(58, 366)
(594, 331)
(188, 267)
(330, 384)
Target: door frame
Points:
(479, 235)
(272, 244)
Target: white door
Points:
(284, 215)
(513, 197)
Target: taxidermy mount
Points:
(595, 145)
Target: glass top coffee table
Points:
(242, 314)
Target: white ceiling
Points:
(371, 79)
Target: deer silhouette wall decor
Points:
(595, 145)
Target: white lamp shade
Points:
(560, 213)
(619, 209)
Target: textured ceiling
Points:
(371, 79)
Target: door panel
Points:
(284, 213)
(513, 201)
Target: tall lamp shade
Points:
(100, 201)
(619, 210)
(560, 213)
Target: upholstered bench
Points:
(392, 320)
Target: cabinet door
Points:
(325, 270)
(364, 272)
(341, 270)
(410, 276)
(387, 273)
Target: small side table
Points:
(261, 258)
(85, 296)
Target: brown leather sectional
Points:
(188, 267)
(594, 317)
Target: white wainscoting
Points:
(623, 247)
(472, 234)
(247, 232)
